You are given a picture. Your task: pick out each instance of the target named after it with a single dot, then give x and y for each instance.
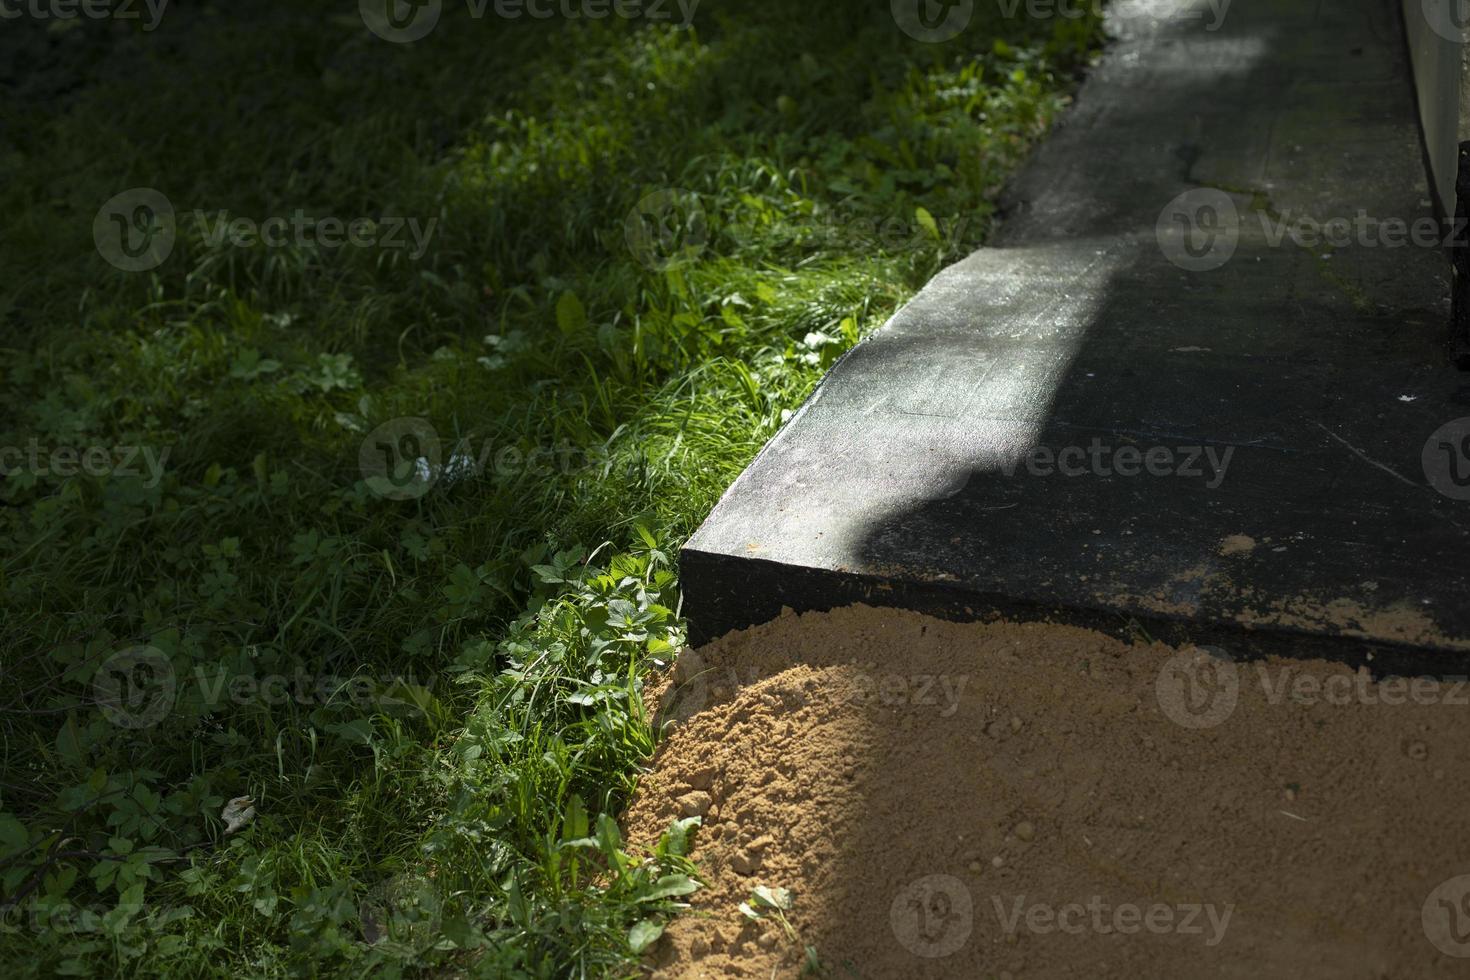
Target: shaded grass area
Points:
(402, 560)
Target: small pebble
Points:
(997, 861)
(1025, 831)
(1015, 724)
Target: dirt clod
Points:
(695, 804)
(746, 862)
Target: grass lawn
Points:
(381, 533)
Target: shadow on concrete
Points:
(1301, 488)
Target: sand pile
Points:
(1006, 800)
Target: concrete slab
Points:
(1110, 416)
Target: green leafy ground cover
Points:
(637, 249)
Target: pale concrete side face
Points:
(1464, 91)
(1436, 35)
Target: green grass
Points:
(458, 717)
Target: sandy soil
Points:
(1008, 800)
